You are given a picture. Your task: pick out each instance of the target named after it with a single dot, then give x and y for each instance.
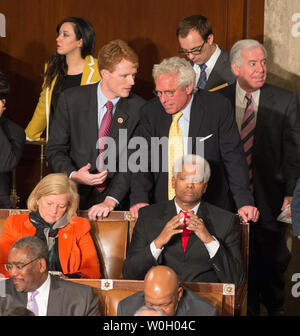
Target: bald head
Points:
(162, 290)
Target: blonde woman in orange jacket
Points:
(52, 218)
(72, 65)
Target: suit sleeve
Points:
(227, 262)
(295, 207)
(291, 144)
(139, 258)
(12, 140)
(58, 146)
(92, 303)
(233, 157)
(142, 183)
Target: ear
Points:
(180, 292)
(210, 39)
(173, 182)
(189, 88)
(235, 69)
(80, 43)
(204, 188)
(43, 265)
(104, 73)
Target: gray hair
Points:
(149, 308)
(204, 171)
(34, 246)
(176, 65)
(236, 50)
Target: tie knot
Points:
(176, 116)
(109, 105)
(185, 213)
(248, 96)
(203, 66)
(34, 294)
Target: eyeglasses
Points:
(167, 93)
(19, 267)
(194, 51)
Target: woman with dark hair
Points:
(71, 65)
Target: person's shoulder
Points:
(80, 90)
(199, 304)
(154, 209)
(18, 218)
(11, 125)
(80, 224)
(219, 211)
(277, 90)
(69, 285)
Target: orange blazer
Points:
(76, 248)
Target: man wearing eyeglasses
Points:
(206, 126)
(210, 61)
(32, 287)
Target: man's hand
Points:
(249, 213)
(173, 227)
(83, 176)
(134, 210)
(287, 202)
(102, 210)
(2, 106)
(196, 224)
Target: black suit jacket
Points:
(66, 298)
(221, 72)
(74, 134)
(12, 140)
(276, 148)
(193, 264)
(213, 115)
(190, 304)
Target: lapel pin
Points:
(65, 236)
(120, 120)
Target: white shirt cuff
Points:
(155, 251)
(212, 247)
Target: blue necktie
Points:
(202, 79)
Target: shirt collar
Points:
(187, 110)
(240, 93)
(213, 58)
(44, 288)
(102, 100)
(178, 209)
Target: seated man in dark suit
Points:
(32, 287)
(196, 239)
(12, 140)
(162, 291)
(210, 61)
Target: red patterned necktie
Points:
(185, 234)
(247, 134)
(102, 134)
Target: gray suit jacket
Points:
(65, 298)
(190, 304)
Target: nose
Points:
(131, 80)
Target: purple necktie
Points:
(102, 134)
(247, 134)
(32, 304)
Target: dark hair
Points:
(57, 65)
(4, 86)
(195, 22)
(34, 246)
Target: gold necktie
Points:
(175, 147)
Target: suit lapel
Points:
(120, 119)
(196, 117)
(55, 300)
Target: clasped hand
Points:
(175, 226)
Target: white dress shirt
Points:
(210, 64)
(211, 247)
(42, 296)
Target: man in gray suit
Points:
(162, 291)
(32, 287)
(210, 61)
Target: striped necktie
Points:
(247, 134)
(202, 78)
(175, 147)
(102, 134)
